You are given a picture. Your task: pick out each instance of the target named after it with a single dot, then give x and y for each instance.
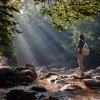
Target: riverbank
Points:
(52, 84)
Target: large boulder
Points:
(25, 67)
(17, 76)
(9, 76)
(28, 72)
(17, 94)
(92, 83)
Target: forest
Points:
(68, 18)
(41, 54)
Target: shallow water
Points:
(54, 88)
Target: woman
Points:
(80, 56)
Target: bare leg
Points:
(80, 62)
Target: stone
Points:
(71, 87)
(92, 83)
(28, 72)
(50, 98)
(38, 88)
(17, 94)
(9, 77)
(97, 77)
(52, 78)
(50, 74)
(61, 82)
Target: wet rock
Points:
(50, 74)
(16, 76)
(97, 77)
(75, 77)
(26, 79)
(97, 71)
(38, 88)
(98, 68)
(20, 95)
(90, 72)
(50, 98)
(42, 77)
(52, 78)
(8, 71)
(41, 97)
(61, 82)
(64, 76)
(20, 68)
(9, 77)
(28, 65)
(92, 83)
(29, 73)
(71, 87)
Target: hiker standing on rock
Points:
(80, 56)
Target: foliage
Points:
(8, 26)
(64, 12)
(91, 30)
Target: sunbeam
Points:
(39, 43)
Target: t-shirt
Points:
(80, 46)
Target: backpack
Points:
(85, 49)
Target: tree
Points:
(64, 12)
(7, 25)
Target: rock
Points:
(50, 74)
(98, 68)
(75, 77)
(17, 76)
(97, 77)
(27, 66)
(27, 79)
(50, 98)
(61, 82)
(41, 97)
(64, 76)
(17, 94)
(97, 71)
(90, 72)
(20, 68)
(8, 71)
(52, 78)
(71, 87)
(92, 83)
(38, 88)
(9, 77)
(28, 72)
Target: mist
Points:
(39, 43)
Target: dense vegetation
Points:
(7, 26)
(63, 14)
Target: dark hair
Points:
(81, 36)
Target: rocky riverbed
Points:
(38, 83)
